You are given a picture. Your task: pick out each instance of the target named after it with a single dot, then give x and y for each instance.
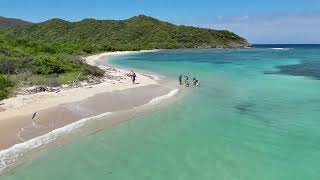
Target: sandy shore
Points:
(22, 128)
(92, 60)
(71, 105)
(22, 105)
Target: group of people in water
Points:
(196, 82)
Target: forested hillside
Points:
(11, 22)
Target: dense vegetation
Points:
(48, 52)
(5, 87)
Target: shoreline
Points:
(28, 104)
(71, 109)
(92, 59)
(68, 133)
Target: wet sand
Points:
(22, 128)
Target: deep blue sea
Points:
(256, 116)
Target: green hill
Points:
(140, 32)
(11, 22)
(49, 52)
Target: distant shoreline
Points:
(92, 59)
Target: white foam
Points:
(158, 99)
(11, 155)
(153, 76)
(280, 48)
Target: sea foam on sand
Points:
(159, 99)
(10, 155)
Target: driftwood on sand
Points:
(37, 89)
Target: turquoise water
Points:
(247, 121)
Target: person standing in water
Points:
(197, 83)
(180, 79)
(186, 82)
(194, 81)
(187, 79)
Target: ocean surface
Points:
(256, 116)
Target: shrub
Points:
(49, 80)
(93, 70)
(46, 65)
(5, 86)
(13, 65)
(68, 78)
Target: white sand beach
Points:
(22, 105)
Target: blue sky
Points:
(260, 21)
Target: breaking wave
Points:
(11, 155)
(158, 99)
(284, 49)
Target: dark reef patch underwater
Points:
(307, 69)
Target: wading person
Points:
(180, 79)
(197, 83)
(187, 83)
(187, 80)
(194, 81)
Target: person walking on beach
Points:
(131, 73)
(133, 77)
(180, 79)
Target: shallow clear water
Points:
(245, 122)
